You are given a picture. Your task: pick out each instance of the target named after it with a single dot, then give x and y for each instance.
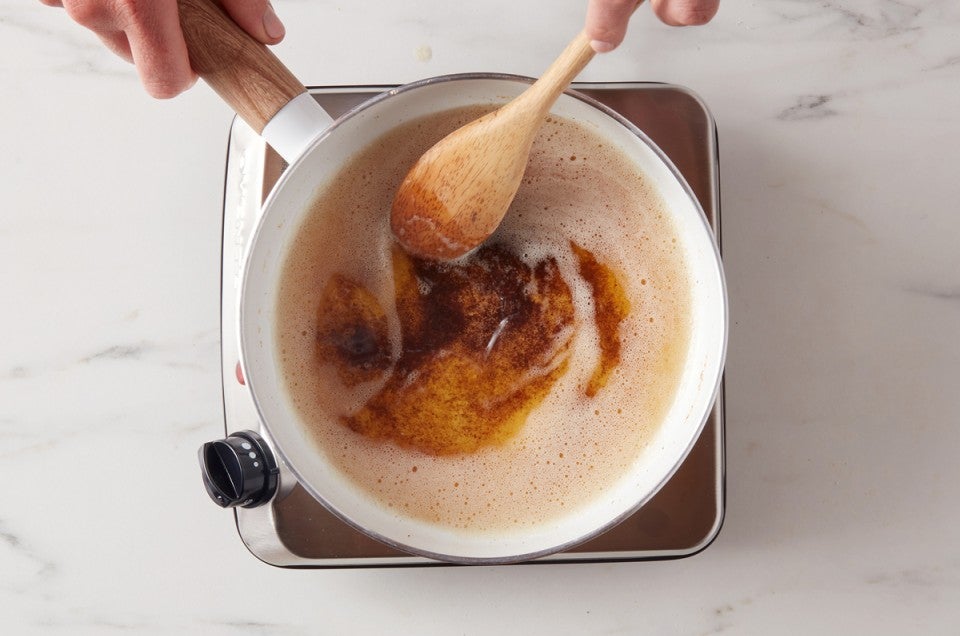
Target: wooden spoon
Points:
(457, 193)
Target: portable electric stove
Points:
(283, 525)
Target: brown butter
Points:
(483, 341)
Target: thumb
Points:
(257, 18)
(606, 23)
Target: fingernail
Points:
(272, 24)
(602, 47)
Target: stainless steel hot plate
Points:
(294, 530)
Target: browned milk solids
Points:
(482, 343)
(510, 386)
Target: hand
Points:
(147, 33)
(607, 19)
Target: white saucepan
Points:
(275, 104)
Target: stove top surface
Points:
(295, 530)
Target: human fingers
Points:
(118, 43)
(257, 18)
(157, 46)
(145, 32)
(606, 23)
(685, 12)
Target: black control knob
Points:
(239, 470)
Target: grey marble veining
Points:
(69, 50)
(809, 107)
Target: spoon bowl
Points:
(458, 192)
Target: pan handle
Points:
(250, 79)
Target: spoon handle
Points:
(540, 97)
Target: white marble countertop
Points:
(839, 128)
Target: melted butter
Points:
(536, 465)
(352, 329)
(483, 341)
(611, 308)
